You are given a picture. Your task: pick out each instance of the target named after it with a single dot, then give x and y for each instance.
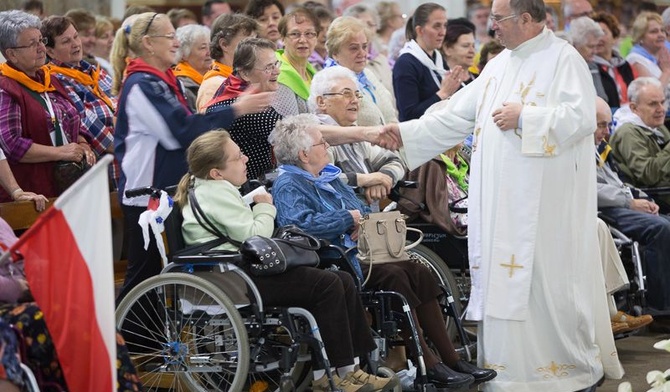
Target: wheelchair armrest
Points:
(212, 256)
(661, 190)
(332, 255)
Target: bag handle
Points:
(384, 232)
(314, 243)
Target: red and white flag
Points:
(69, 267)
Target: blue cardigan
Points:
(297, 201)
(415, 90)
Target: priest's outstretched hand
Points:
(389, 137)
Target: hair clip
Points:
(127, 29)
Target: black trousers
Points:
(142, 264)
(333, 300)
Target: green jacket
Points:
(640, 157)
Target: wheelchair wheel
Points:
(184, 333)
(444, 277)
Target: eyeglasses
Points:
(499, 19)
(34, 44)
(146, 29)
(171, 36)
(323, 142)
(270, 67)
(237, 158)
(295, 35)
(348, 94)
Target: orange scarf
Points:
(185, 69)
(90, 81)
(32, 84)
(218, 69)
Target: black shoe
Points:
(441, 374)
(480, 375)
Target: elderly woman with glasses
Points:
(309, 193)
(255, 63)
(335, 98)
(193, 59)
(299, 30)
(39, 126)
(88, 86)
(227, 32)
(155, 126)
(348, 43)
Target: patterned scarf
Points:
(231, 88)
(32, 84)
(91, 81)
(218, 69)
(185, 69)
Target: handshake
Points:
(387, 136)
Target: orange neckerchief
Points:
(185, 69)
(32, 84)
(90, 81)
(218, 69)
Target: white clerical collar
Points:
(523, 47)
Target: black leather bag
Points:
(290, 248)
(67, 173)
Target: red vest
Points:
(32, 177)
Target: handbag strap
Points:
(204, 221)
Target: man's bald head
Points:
(603, 120)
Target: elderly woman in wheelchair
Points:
(218, 169)
(309, 193)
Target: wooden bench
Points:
(20, 215)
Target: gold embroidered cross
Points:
(511, 266)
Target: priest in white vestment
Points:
(537, 284)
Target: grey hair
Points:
(666, 17)
(534, 7)
(12, 23)
(187, 35)
(639, 83)
(292, 135)
(324, 81)
(358, 9)
(583, 28)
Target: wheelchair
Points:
(201, 324)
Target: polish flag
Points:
(68, 253)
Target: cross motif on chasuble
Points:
(511, 265)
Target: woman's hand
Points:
(40, 200)
(263, 198)
(451, 82)
(76, 152)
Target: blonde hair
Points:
(205, 153)
(641, 24)
(128, 43)
(341, 30)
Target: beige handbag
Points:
(382, 237)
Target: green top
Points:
(289, 77)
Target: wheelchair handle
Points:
(144, 191)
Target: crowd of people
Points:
(344, 100)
